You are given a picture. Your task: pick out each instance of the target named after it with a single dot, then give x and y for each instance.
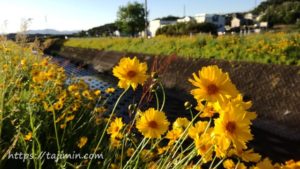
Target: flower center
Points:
(131, 73)
(116, 129)
(212, 89)
(230, 127)
(203, 148)
(152, 124)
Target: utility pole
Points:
(184, 11)
(146, 19)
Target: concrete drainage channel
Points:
(268, 144)
(101, 82)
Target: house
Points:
(239, 21)
(158, 23)
(218, 20)
(250, 16)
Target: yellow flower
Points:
(228, 164)
(28, 136)
(60, 118)
(70, 118)
(208, 110)
(265, 164)
(87, 95)
(291, 164)
(58, 105)
(212, 85)
(114, 142)
(204, 147)
(77, 95)
(161, 150)
(241, 166)
(130, 73)
(62, 126)
(181, 123)
(23, 62)
(75, 107)
(152, 165)
(97, 92)
(238, 103)
(232, 127)
(152, 123)
(174, 134)
(129, 152)
(115, 127)
(100, 110)
(147, 155)
(198, 129)
(83, 140)
(110, 90)
(47, 107)
(72, 88)
(192, 166)
(248, 155)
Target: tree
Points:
(131, 18)
(180, 29)
(104, 30)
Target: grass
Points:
(277, 48)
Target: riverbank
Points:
(276, 48)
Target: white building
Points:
(218, 20)
(250, 16)
(156, 24)
(236, 22)
(185, 19)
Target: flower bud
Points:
(188, 105)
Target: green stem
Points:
(219, 163)
(213, 161)
(106, 126)
(184, 136)
(124, 142)
(238, 163)
(164, 97)
(157, 100)
(55, 128)
(136, 153)
(191, 113)
(2, 111)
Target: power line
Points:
(146, 20)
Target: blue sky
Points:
(85, 14)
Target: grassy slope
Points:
(279, 48)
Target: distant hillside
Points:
(103, 30)
(279, 11)
(51, 32)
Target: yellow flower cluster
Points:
(231, 129)
(224, 136)
(115, 131)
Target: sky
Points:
(85, 14)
